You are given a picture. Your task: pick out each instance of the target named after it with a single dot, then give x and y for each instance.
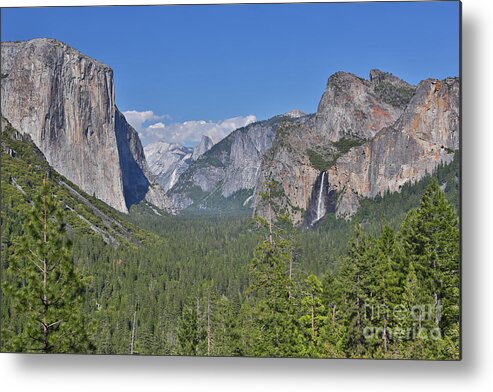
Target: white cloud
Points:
(158, 125)
(137, 119)
(187, 133)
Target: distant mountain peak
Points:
(205, 145)
(295, 113)
(167, 161)
(162, 146)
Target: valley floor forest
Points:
(383, 285)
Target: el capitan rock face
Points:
(66, 102)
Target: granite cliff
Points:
(65, 101)
(426, 135)
(359, 108)
(368, 137)
(204, 145)
(230, 167)
(168, 161)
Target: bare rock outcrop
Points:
(369, 136)
(204, 145)
(167, 161)
(355, 107)
(229, 166)
(288, 164)
(426, 135)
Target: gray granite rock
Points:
(167, 161)
(353, 107)
(370, 136)
(65, 101)
(204, 145)
(426, 135)
(229, 166)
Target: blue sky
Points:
(212, 63)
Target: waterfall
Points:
(321, 201)
(321, 208)
(320, 204)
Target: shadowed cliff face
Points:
(132, 161)
(65, 101)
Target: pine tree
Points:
(386, 285)
(314, 315)
(431, 240)
(45, 287)
(410, 298)
(224, 327)
(411, 318)
(191, 333)
(277, 332)
(274, 324)
(355, 295)
(333, 333)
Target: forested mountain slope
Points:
(24, 168)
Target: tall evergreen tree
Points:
(44, 285)
(354, 292)
(314, 315)
(277, 332)
(333, 333)
(272, 283)
(191, 332)
(386, 286)
(431, 240)
(412, 318)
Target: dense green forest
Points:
(384, 285)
